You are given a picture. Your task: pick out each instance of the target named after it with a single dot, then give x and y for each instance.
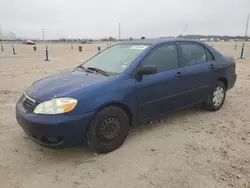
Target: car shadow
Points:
(166, 120)
(81, 154)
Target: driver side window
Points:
(164, 58)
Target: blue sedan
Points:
(126, 84)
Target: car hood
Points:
(62, 84)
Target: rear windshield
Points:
(117, 58)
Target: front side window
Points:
(193, 54)
(117, 58)
(164, 58)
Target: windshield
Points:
(116, 59)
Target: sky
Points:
(99, 18)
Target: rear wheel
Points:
(108, 129)
(216, 98)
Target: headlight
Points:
(56, 106)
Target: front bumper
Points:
(53, 131)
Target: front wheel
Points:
(108, 129)
(216, 98)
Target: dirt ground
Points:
(189, 149)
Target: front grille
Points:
(27, 102)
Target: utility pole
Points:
(247, 26)
(119, 31)
(43, 34)
(0, 33)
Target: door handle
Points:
(212, 66)
(179, 74)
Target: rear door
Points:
(158, 93)
(200, 70)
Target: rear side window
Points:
(210, 57)
(164, 58)
(193, 54)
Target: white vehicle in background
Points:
(211, 40)
(29, 42)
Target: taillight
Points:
(234, 61)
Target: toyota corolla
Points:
(126, 84)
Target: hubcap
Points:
(218, 96)
(109, 130)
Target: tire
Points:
(108, 129)
(212, 103)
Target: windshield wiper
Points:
(83, 68)
(98, 70)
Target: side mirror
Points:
(146, 70)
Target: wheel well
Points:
(224, 80)
(122, 106)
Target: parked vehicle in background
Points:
(29, 42)
(84, 42)
(126, 84)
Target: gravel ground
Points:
(190, 148)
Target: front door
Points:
(160, 92)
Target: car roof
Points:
(158, 41)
